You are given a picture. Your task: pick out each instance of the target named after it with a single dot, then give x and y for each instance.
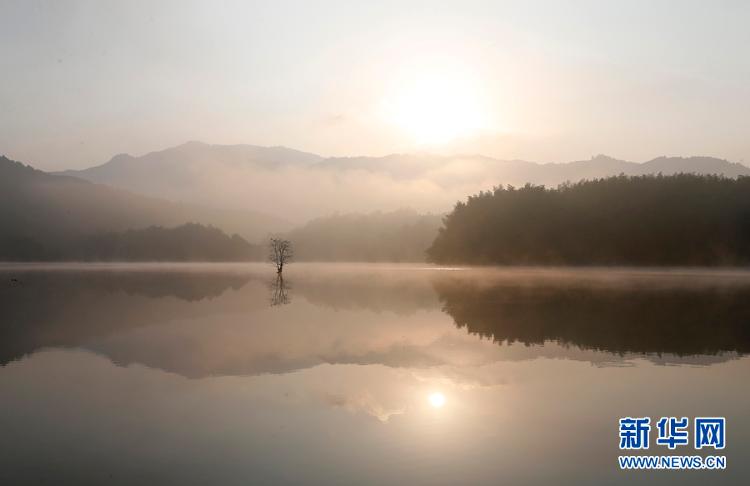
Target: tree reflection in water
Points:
(279, 291)
(653, 317)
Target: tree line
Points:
(682, 219)
(188, 242)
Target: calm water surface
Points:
(355, 374)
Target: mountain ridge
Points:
(299, 186)
(40, 206)
(280, 150)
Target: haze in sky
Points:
(543, 81)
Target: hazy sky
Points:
(545, 81)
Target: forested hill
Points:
(188, 242)
(681, 219)
(185, 243)
(41, 210)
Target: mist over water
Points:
(235, 375)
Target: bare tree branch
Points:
(280, 253)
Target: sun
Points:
(435, 107)
(436, 399)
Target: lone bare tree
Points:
(280, 253)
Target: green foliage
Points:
(682, 219)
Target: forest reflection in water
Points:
(639, 314)
(694, 316)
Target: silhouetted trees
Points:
(683, 219)
(188, 242)
(280, 253)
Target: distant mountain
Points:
(195, 172)
(299, 186)
(41, 213)
(697, 165)
(399, 236)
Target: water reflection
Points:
(630, 316)
(369, 375)
(279, 291)
(200, 322)
(70, 308)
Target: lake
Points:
(362, 374)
